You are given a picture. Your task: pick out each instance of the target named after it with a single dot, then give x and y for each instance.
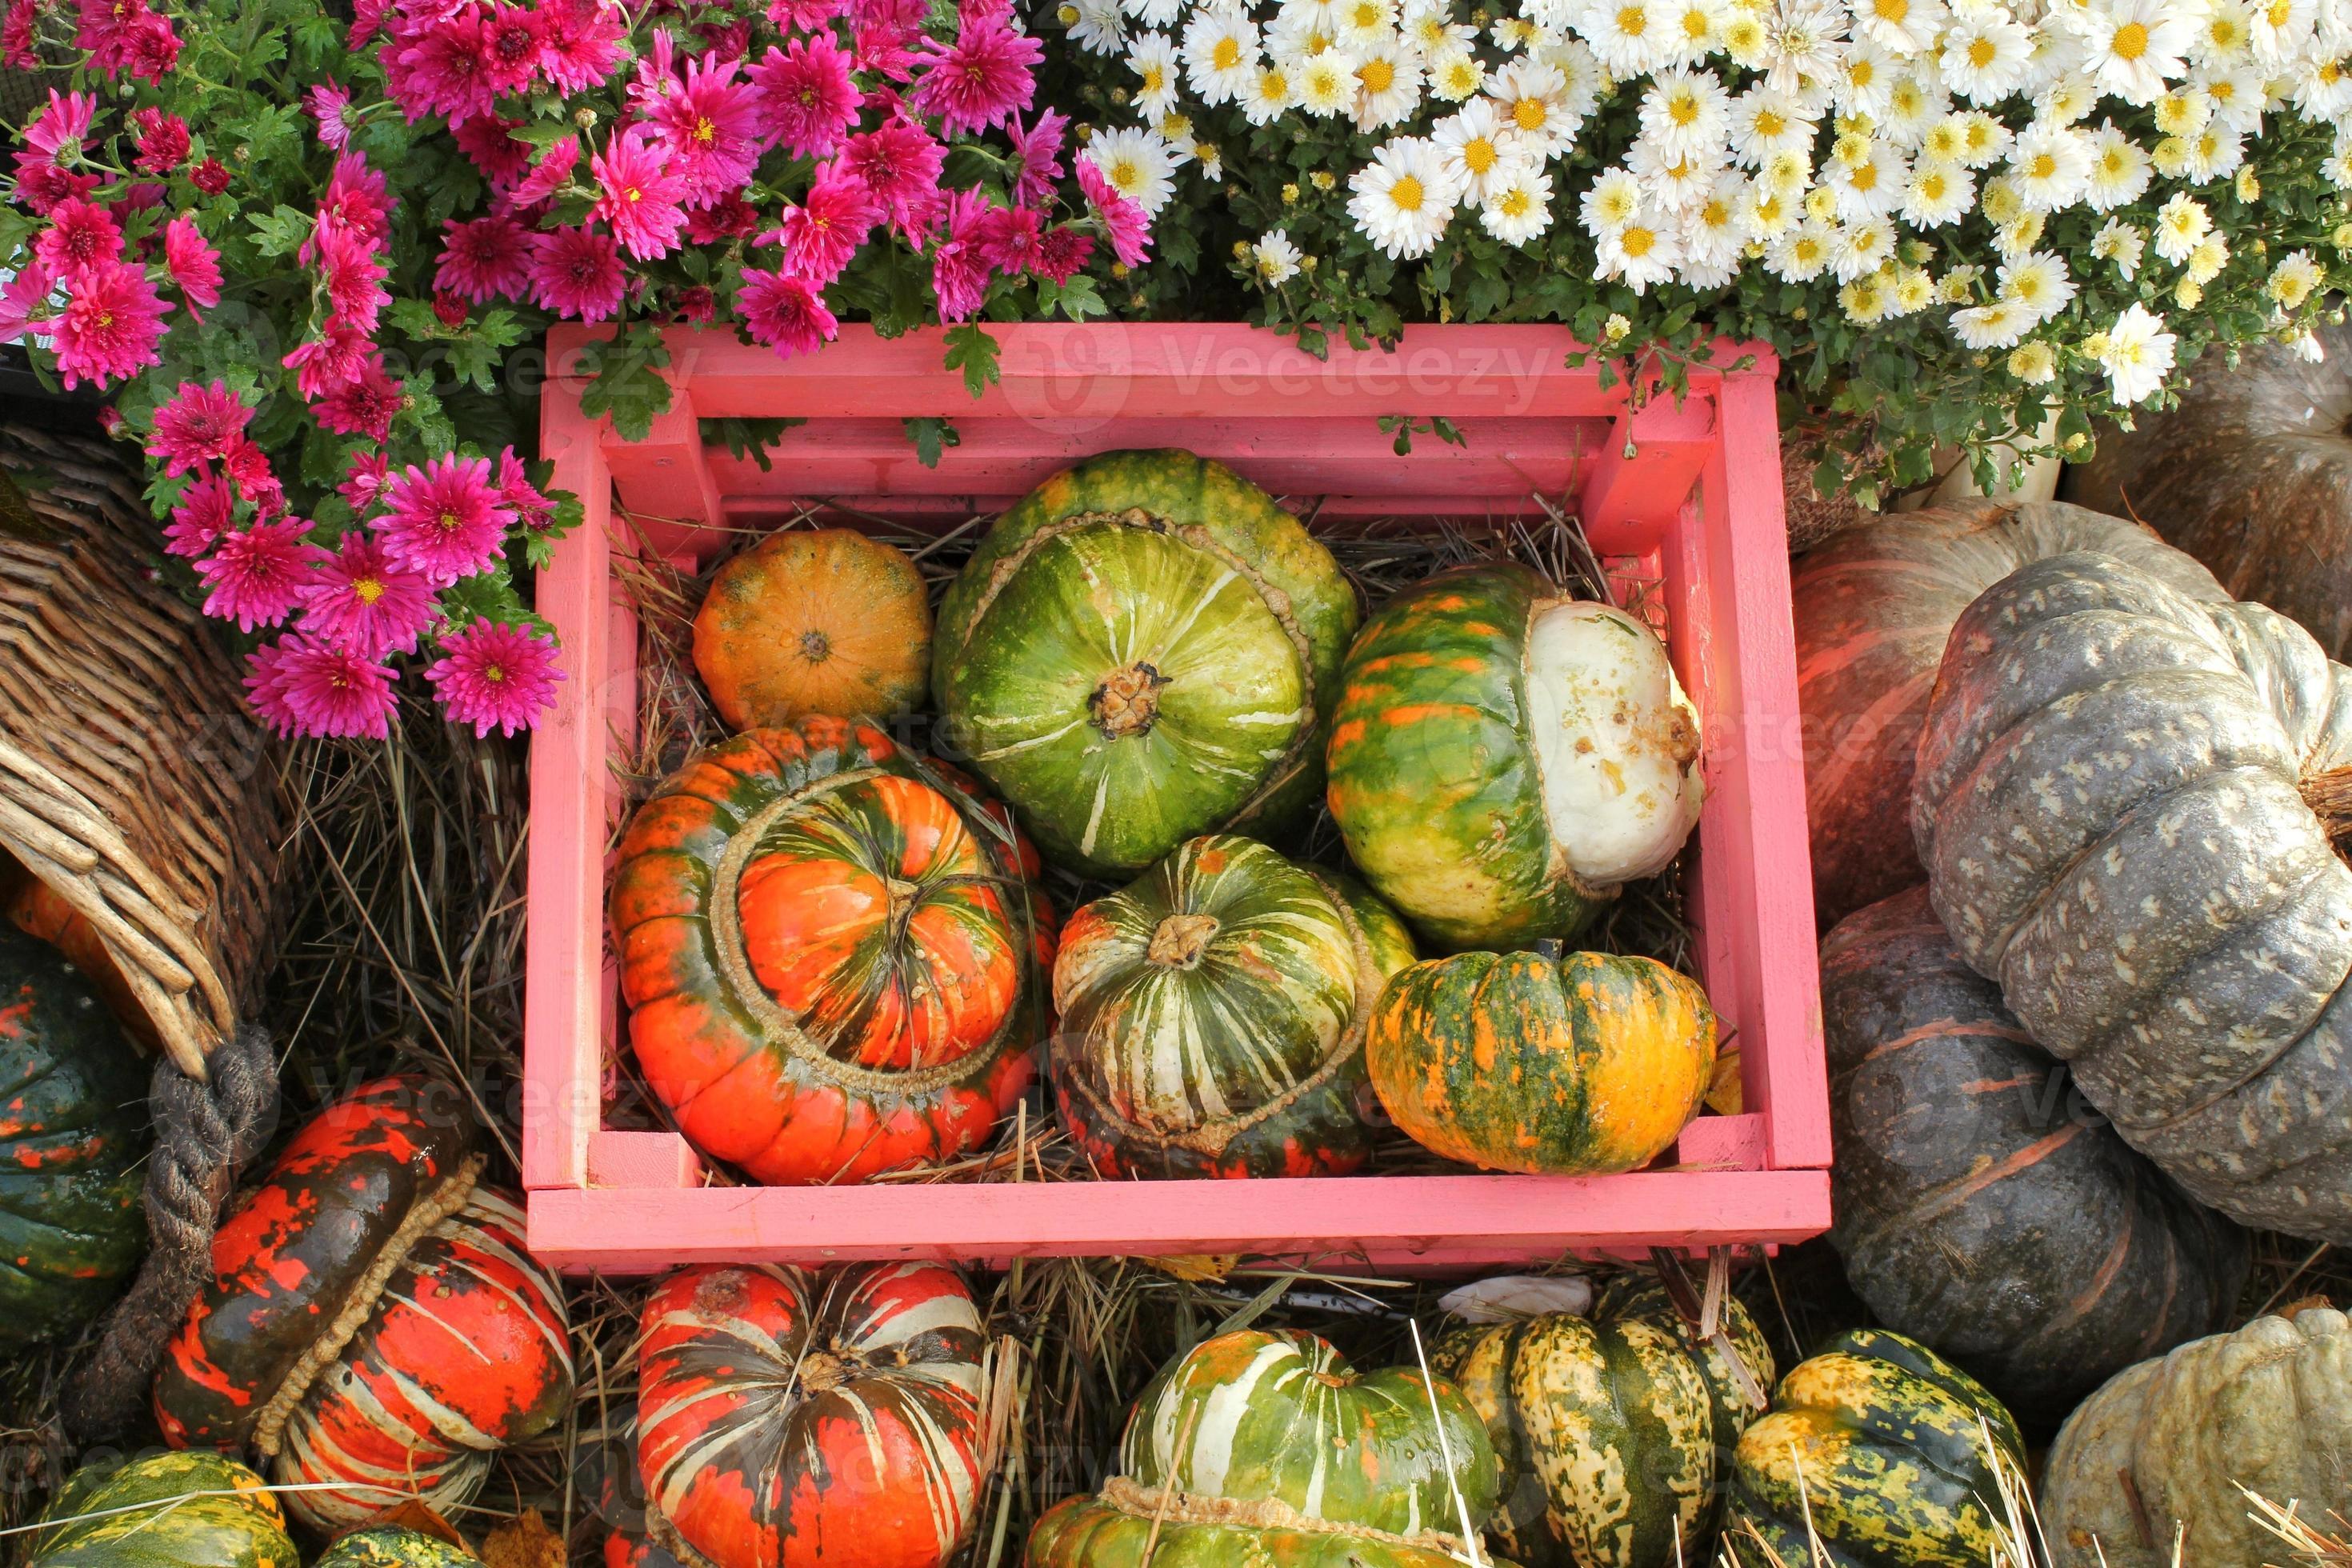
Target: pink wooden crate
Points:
(1688, 493)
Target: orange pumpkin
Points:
(36, 909)
(814, 621)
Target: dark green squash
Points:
(73, 1135)
(1981, 1207)
(1885, 1450)
(208, 1511)
(391, 1546)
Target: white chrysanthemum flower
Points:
(1221, 54)
(1628, 36)
(1869, 300)
(2136, 354)
(2119, 170)
(1802, 253)
(1983, 140)
(2033, 364)
(1866, 82)
(1915, 290)
(2205, 262)
(1433, 29)
(2225, 34)
(1869, 185)
(2323, 89)
(1938, 194)
(2067, 101)
(1272, 92)
(1137, 163)
(1763, 121)
(1742, 35)
(1912, 106)
(1361, 25)
(1785, 172)
(1695, 28)
(1401, 200)
(1479, 147)
(1959, 285)
(2018, 235)
(1154, 12)
(2055, 52)
(2305, 346)
(2181, 224)
(1642, 252)
(1804, 41)
(1157, 72)
(2184, 112)
(1326, 83)
(1863, 248)
(2294, 279)
(2215, 154)
(1579, 73)
(1098, 26)
(2278, 30)
(1533, 100)
(1517, 208)
(1712, 236)
(1996, 324)
(2048, 165)
(1609, 203)
(1300, 32)
(2039, 281)
(1274, 260)
(2133, 47)
(1945, 140)
(1985, 55)
(2120, 243)
(1902, 27)
(1455, 75)
(1686, 113)
(1765, 216)
(1675, 184)
(1389, 77)
(1512, 34)
(2238, 95)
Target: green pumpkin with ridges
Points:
(1140, 651)
(1891, 1442)
(73, 1138)
(1087, 1532)
(391, 1546)
(207, 1511)
(1614, 1431)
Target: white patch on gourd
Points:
(1616, 741)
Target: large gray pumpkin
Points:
(2251, 474)
(2268, 1407)
(2110, 804)
(1873, 609)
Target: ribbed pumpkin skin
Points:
(389, 1546)
(1087, 1532)
(1615, 1432)
(36, 909)
(1981, 1208)
(1889, 1438)
(1873, 609)
(243, 1528)
(2268, 1407)
(2109, 807)
(1573, 1066)
(825, 952)
(1224, 982)
(1220, 618)
(1432, 780)
(813, 621)
(2252, 474)
(794, 1421)
(73, 1136)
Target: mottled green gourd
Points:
(1886, 1450)
(1616, 1431)
(1142, 650)
(390, 1546)
(1264, 1448)
(207, 1511)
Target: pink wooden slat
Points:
(1467, 1218)
(1644, 471)
(643, 1160)
(1723, 1143)
(668, 474)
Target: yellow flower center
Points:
(1932, 185)
(1366, 15)
(1462, 76)
(448, 521)
(634, 194)
(1891, 10)
(1125, 176)
(1682, 109)
(2278, 12)
(1715, 215)
(1153, 77)
(1406, 193)
(1274, 85)
(2224, 31)
(1862, 73)
(2331, 73)
(704, 132)
(1529, 115)
(1227, 54)
(496, 674)
(2130, 41)
(1981, 52)
(367, 590)
(105, 319)
(1694, 25)
(1864, 177)
(1807, 249)
(1632, 21)
(1478, 155)
(1771, 124)
(2044, 166)
(1637, 242)
(1515, 203)
(1378, 76)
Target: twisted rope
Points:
(206, 1132)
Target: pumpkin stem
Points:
(821, 1371)
(1181, 940)
(1127, 701)
(816, 646)
(2329, 795)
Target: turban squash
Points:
(1873, 609)
(1616, 1431)
(391, 1546)
(791, 1420)
(1212, 1016)
(1504, 757)
(832, 956)
(1982, 1209)
(2160, 1452)
(810, 621)
(2125, 801)
(374, 1325)
(165, 1511)
(1258, 1447)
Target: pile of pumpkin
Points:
(839, 959)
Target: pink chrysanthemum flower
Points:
(41, 186)
(441, 66)
(960, 262)
(787, 313)
(805, 15)
(211, 176)
(25, 308)
(206, 511)
(729, 217)
(1012, 238)
(444, 519)
(364, 405)
(822, 235)
(696, 304)
(711, 128)
(1061, 253)
(367, 17)
(489, 142)
(810, 100)
(303, 686)
(256, 574)
(577, 272)
(495, 677)
(365, 479)
(581, 42)
(363, 601)
(532, 509)
(80, 234)
(485, 259)
(883, 34)
(899, 163)
(357, 203)
(639, 198)
(515, 42)
(249, 467)
(330, 106)
(16, 36)
(59, 130)
(1128, 224)
(164, 141)
(983, 79)
(338, 355)
(194, 265)
(1037, 158)
(109, 326)
(151, 48)
(550, 173)
(353, 274)
(201, 423)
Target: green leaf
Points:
(971, 350)
(1079, 298)
(279, 233)
(625, 382)
(542, 132)
(746, 439)
(931, 437)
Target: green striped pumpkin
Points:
(1265, 1447)
(1211, 1016)
(1140, 651)
(195, 1509)
(1891, 1442)
(390, 1546)
(1502, 758)
(1615, 1432)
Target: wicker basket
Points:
(134, 780)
